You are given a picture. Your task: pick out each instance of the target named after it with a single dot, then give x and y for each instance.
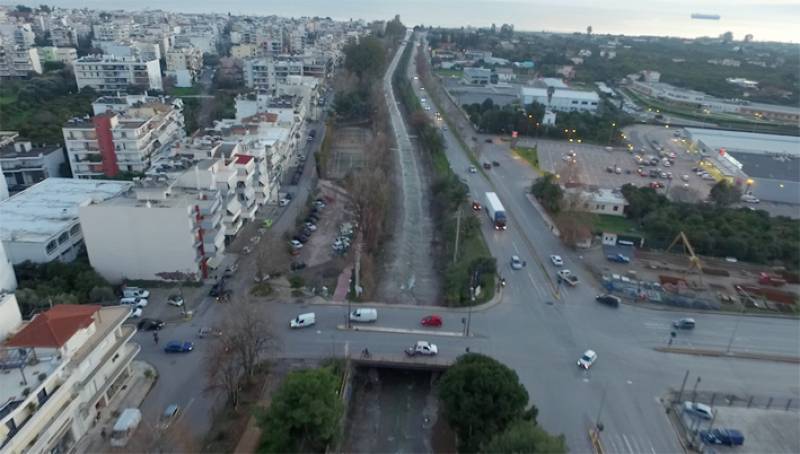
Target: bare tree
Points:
(573, 222)
(247, 334)
(224, 371)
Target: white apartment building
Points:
(185, 64)
(266, 73)
(123, 136)
(8, 281)
(156, 231)
(114, 31)
(17, 61)
(65, 55)
(65, 365)
(109, 73)
(63, 36)
(21, 35)
(41, 224)
(563, 100)
(24, 165)
(245, 51)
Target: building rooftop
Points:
(47, 208)
(53, 328)
(12, 152)
(748, 142)
(773, 167)
(561, 93)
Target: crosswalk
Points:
(626, 444)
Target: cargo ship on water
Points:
(706, 16)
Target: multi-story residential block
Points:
(18, 34)
(110, 73)
(245, 51)
(66, 55)
(114, 31)
(170, 232)
(205, 40)
(185, 64)
(123, 136)
(266, 73)
(74, 360)
(17, 61)
(63, 36)
(8, 281)
(24, 165)
(40, 224)
(142, 50)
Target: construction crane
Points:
(694, 260)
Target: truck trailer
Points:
(496, 211)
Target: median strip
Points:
(723, 354)
(381, 329)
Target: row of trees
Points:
(715, 229)
(486, 406)
(42, 285)
(603, 127)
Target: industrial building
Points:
(764, 165)
(563, 100)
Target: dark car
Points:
(609, 300)
(495, 163)
(303, 238)
(297, 266)
(487, 165)
(313, 218)
(729, 437)
(217, 288)
(488, 140)
(178, 347)
(150, 324)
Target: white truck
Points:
(496, 211)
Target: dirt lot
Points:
(395, 411)
(348, 146)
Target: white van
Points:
(135, 292)
(364, 315)
(303, 320)
(138, 302)
(125, 426)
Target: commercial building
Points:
(156, 231)
(123, 135)
(110, 73)
(61, 368)
(24, 165)
(764, 165)
(41, 224)
(477, 76)
(563, 100)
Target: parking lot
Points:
(612, 167)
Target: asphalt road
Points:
(533, 332)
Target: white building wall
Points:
(10, 317)
(3, 186)
(137, 242)
(8, 280)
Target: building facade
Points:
(563, 100)
(24, 165)
(110, 73)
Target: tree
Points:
(481, 397)
(723, 193)
(589, 30)
(247, 334)
(224, 371)
(365, 59)
(304, 414)
(525, 437)
(548, 192)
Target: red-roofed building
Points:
(63, 367)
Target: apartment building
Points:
(113, 31)
(65, 365)
(41, 224)
(245, 51)
(170, 232)
(63, 36)
(17, 61)
(8, 282)
(24, 164)
(266, 73)
(123, 135)
(18, 34)
(65, 55)
(110, 73)
(185, 64)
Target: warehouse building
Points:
(764, 165)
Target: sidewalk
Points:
(131, 395)
(342, 285)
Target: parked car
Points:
(557, 260)
(618, 258)
(698, 410)
(432, 321)
(587, 360)
(684, 323)
(138, 302)
(135, 292)
(136, 312)
(609, 300)
(311, 226)
(283, 202)
(217, 288)
(231, 270)
(297, 266)
(473, 169)
(175, 300)
(296, 244)
(364, 315)
(150, 324)
(487, 166)
(749, 198)
(178, 347)
(495, 164)
(728, 437)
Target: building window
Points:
(51, 246)
(63, 237)
(616, 207)
(75, 230)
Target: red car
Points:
(476, 206)
(432, 320)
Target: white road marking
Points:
(630, 448)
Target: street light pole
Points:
(600, 410)
(694, 390)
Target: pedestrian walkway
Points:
(131, 395)
(342, 285)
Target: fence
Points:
(719, 399)
(653, 293)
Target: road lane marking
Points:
(380, 329)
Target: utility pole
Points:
(683, 385)
(600, 410)
(458, 234)
(694, 390)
